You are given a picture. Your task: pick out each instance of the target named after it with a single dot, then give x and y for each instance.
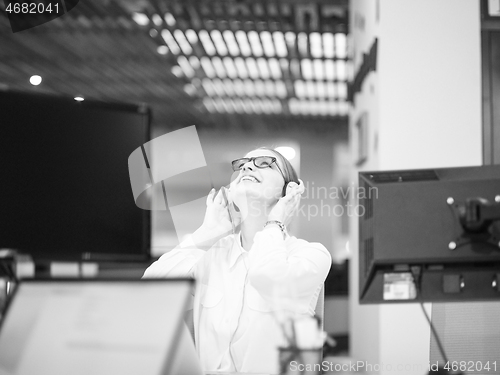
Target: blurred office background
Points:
(346, 86)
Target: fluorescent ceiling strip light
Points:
(249, 87)
(218, 87)
(170, 41)
(247, 105)
(279, 43)
(333, 108)
(270, 88)
(218, 105)
(321, 89)
(253, 70)
(208, 87)
(141, 19)
(241, 67)
(341, 70)
(328, 46)
(341, 90)
(220, 45)
(316, 45)
(330, 90)
(228, 87)
(330, 70)
(208, 46)
(195, 62)
(254, 39)
(241, 36)
(311, 89)
(267, 43)
(302, 44)
(186, 67)
(238, 105)
(157, 19)
(291, 40)
(281, 91)
(343, 108)
(169, 19)
(182, 41)
(231, 70)
(228, 104)
(219, 67)
(307, 69)
(231, 43)
(191, 36)
(239, 87)
(263, 68)
(277, 106)
(340, 46)
(300, 90)
(260, 88)
(207, 66)
(274, 67)
(319, 70)
(209, 105)
(292, 106)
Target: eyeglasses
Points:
(258, 161)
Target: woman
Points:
(247, 281)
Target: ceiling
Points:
(251, 65)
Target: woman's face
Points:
(264, 184)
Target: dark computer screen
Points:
(430, 235)
(65, 191)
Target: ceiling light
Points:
(281, 91)
(206, 41)
(279, 42)
(333, 108)
(219, 67)
(209, 104)
(140, 18)
(247, 105)
(299, 88)
(169, 19)
(238, 105)
(270, 88)
(277, 106)
(249, 88)
(176, 71)
(228, 87)
(290, 38)
(35, 80)
(239, 87)
(341, 70)
(330, 70)
(275, 69)
(316, 47)
(328, 45)
(318, 69)
(191, 36)
(263, 68)
(267, 43)
(162, 50)
(320, 89)
(231, 43)
(170, 41)
(311, 89)
(182, 41)
(330, 90)
(190, 89)
(260, 88)
(153, 33)
(343, 108)
(286, 151)
(195, 62)
(207, 66)
(257, 106)
(241, 36)
(307, 69)
(219, 42)
(302, 44)
(157, 20)
(79, 98)
(292, 105)
(254, 39)
(208, 87)
(186, 67)
(241, 67)
(253, 70)
(219, 106)
(230, 68)
(218, 87)
(340, 46)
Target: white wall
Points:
(424, 110)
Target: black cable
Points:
(433, 329)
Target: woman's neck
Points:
(254, 222)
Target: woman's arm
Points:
(296, 272)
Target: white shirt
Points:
(241, 295)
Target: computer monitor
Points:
(429, 235)
(98, 327)
(65, 191)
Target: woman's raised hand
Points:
(284, 210)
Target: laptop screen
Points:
(92, 327)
